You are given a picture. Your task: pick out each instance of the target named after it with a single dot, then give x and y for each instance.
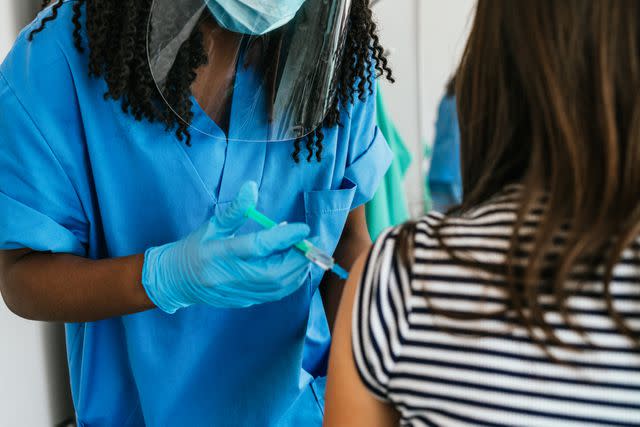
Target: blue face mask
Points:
(254, 17)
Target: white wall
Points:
(33, 375)
(7, 25)
(425, 39)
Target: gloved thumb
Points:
(233, 217)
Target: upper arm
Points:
(349, 402)
(7, 260)
(356, 226)
(41, 156)
(354, 241)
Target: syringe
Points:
(312, 252)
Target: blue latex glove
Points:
(213, 266)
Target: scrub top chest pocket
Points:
(326, 213)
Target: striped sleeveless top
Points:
(442, 371)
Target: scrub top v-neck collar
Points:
(239, 155)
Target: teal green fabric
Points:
(389, 206)
(428, 195)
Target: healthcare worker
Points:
(445, 177)
(134, 136)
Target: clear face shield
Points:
(269, 69)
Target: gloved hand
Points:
(213, 266)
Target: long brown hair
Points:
(549, 96)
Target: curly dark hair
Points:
(117, 43)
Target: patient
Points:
(522, 305)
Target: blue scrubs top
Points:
(77, 175)
(445, 178)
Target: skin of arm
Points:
(348, 401)
(68, 288)
(354, 241)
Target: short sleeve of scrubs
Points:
(369, 154)
(39, 206)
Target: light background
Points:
(424, 39)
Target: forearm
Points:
(354, 242)
(332, 286)
(62, 287)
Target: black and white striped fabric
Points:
(438, 371)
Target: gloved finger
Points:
(227, 298)
(294, 283)
(267, 242)
(266, 280)
(247, 293)
(289, 263)
(277, 288)
(280, 238)
(276, 268)
(234, 216)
